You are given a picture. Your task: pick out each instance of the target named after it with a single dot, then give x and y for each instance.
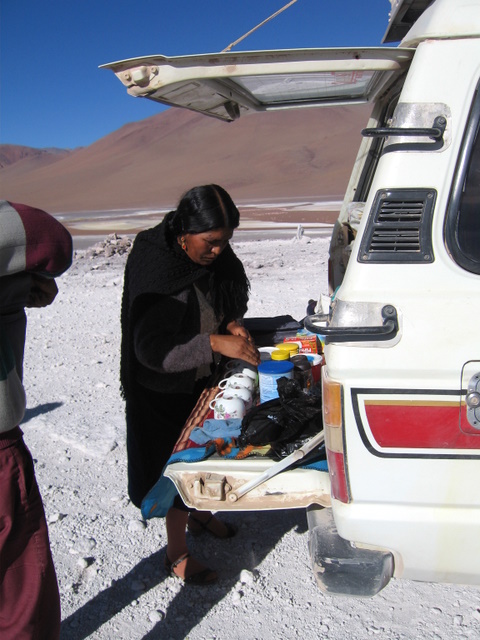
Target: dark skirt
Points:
(154, 423)
(29, 599)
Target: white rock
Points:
(85, 545)
(55, 517)
(136, 525)
(246, 577)
(156, 616)
(90, 573)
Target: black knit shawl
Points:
(157, 265)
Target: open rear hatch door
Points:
(228, 85)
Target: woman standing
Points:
(185, 293)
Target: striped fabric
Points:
(31, 241)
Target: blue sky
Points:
(54, 95)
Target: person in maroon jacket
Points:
(34, 249)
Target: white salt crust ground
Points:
(109, 561)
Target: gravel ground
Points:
(109, 561)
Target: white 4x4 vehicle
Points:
(401, 385)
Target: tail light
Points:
(333, 425)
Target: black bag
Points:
(293, 417)
(263, 424)
(267, 331)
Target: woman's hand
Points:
(235, 346)
(238, 330)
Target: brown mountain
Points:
(148, 164)
(31, 158)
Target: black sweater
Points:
(162, 346)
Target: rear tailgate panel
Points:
(206, 485)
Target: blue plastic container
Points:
(268, 374)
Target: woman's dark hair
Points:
(204, 208)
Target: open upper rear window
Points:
(228, 85)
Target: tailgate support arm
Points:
(277, 468)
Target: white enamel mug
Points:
(240, 366)
(239, 392)
(228, 408)
(237, 363)
(238, 380)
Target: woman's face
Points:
(203, 248)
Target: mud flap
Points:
(340, 567)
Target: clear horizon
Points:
(55, 96)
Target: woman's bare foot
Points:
(178, 561)
(190, 570)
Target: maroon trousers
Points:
(29, 598)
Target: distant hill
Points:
(148, 164)
(12, 153)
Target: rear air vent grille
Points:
(399, 227)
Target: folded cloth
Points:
(228, 448)
(216, 429)
(318, 465)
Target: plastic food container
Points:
(292, 348)
(279, 354)
(302, 371)
(269, 373)
(316, 361)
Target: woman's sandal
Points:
(197, 527)
(205, 576)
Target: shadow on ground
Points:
(241, 552)
(40, 409)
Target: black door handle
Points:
(436, 132)
(385, 331)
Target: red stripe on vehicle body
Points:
(415, 425)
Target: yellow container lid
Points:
(291, 348)
(280, 354)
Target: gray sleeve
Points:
(166, 340)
